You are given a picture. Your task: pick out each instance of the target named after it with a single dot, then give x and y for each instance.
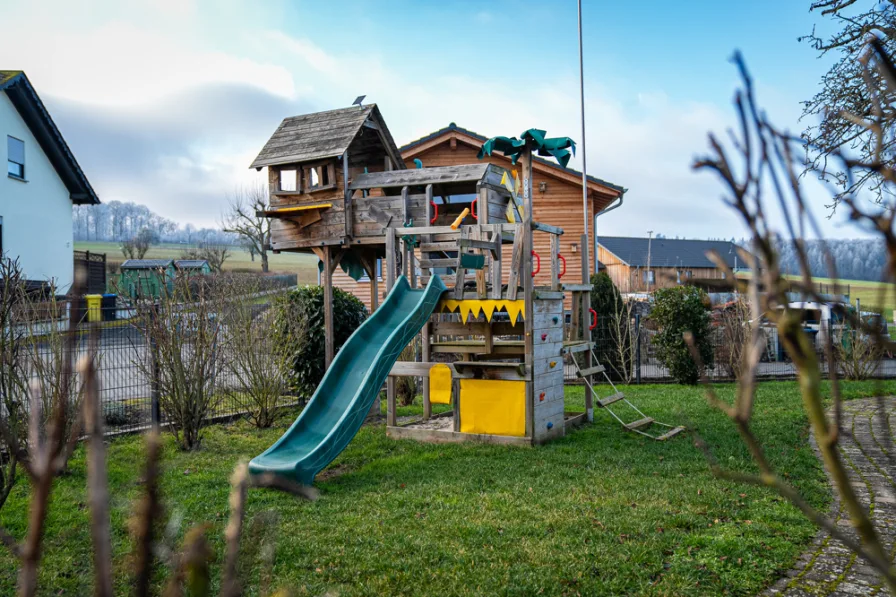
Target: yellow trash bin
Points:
(94, 307)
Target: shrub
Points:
(676, 311)
(187, 354)
(299, 330)
(259, 375)
(735, 335)
(406, 386)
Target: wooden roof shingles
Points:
(321, 135)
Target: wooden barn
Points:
(557, 200)
(642, 264)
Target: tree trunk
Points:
(264, 261)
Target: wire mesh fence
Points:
(630, 354)
(129, 381)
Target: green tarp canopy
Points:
(560, 148)
(349, 264)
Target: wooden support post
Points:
(347, 202)
(329, 333)
(586, 323)
(517, 261)
(391, 418)
(460, 272)
(369, 260)
(555, 262)
(480, 273)
(495, 266)
(426, 358)
(429, 212)
(390, 258)
(528, 291)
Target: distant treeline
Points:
(117, 221)
(855, 259)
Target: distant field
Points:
(874, 296)
(288, 263)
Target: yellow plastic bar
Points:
(296, 208)
(460, 218)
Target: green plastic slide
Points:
(350, 386)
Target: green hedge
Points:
(299, 330)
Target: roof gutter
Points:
(615, 205)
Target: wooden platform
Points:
(439, 430)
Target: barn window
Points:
(15, 159)
(289, 180)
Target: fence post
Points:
(155, 408)
(638, 348)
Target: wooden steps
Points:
(429, 263)
(669, 434)
(573, 346)
(604, 402)
(591, 371)
(645, 422)
(438, 247)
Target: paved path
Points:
(828, 568)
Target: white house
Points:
(43, 181)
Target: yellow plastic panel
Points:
(440, 384)
(493, 406)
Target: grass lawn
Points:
(304, 265)
(599, 512)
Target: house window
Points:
(688, 274)
(15, 160)
(379, 269)
(648, 276)
(289, 180)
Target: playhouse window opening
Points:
(289, 180)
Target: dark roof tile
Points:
(483, 139)
(668, 252)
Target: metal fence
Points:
(128, 391)
(640, 363)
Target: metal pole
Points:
(582, 145)
(649, 239)
(638, 348)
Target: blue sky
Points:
(166, 102)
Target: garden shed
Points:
(145, 278)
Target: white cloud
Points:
(119, 63)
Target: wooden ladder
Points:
(639, 425)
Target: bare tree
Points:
(13, 379)
(138, 245)
(243, 218)
(760, 163)
(845, 100)
(260, 371)
(216, 255)
(188, 352)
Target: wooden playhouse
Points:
(495, 345)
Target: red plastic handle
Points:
(563, 259)
(537, 263)
(473, 209)
(435, 212)
(593, 319)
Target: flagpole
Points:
(582, 145)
